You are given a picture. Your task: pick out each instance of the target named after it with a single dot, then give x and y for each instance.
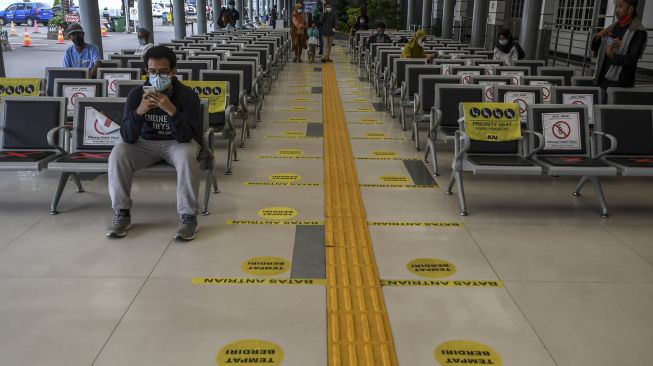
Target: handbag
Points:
(312, 41)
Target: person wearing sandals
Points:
(298, 31)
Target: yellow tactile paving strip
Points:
(358, 327)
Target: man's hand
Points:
(162, 101)
(610, 49)
(603, 33)
(146, 105)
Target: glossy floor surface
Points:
(533, 276)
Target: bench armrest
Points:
(540, 144)
(55, 132)
(595, 137)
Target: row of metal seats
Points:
(72, 136)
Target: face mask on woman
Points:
(300, 11)
(328, 10)
(420, 43)
(503, 41)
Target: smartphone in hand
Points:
(148, 89)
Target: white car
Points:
(157, 10)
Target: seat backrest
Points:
(532, 64)
(466, 72)
(631, 96)
(448, 97)
(247, 59)
(52, 73)
(73, 89)
(184, 74)
(123, 87)
(566, 72)
(631, 125)
(522, 95)
(107, 64)
(233, 77)
(489, 82)
(173, 46)
(226, 47)
(260, 51)
(580, 95)
(565, 129)
(515, 71)
(489, 65)
(583, 81)
(496, 112)
(124, 59)
(426, 88)
(196, 66)
(113, 75)
(24, 127)
(388, 61)
(400, 67)
(197, 47)
(137, 64)
(546, 82)
(96, 124)
(248, 68)
(182, 54)
(213, 60)
(413, 73)
(488, 54)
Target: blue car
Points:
(26, 13)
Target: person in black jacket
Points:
(161, 122)
(619, 47)
(379, 37)
(234, 15)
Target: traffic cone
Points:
(36, 28)
(27, 42)
(60, 39)
(13, 30)
(103, 31)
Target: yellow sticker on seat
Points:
(493, 122)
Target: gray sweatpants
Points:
(125, 159)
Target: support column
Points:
(479, 23)
(258, 8)
(410, 12)
(179, 17)
(447, 18)
(427, 10)
(496, 19)
(215, 4)
(89, 16)
(250, 11)
(145, 17)
(239, 7)
(530, 22)
(201, 16)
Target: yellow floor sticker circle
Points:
(384, 153)
(265, 266)
(290, 152)
(431, 267)
(277, 213)
(393, 178)
(250, 352)
(462, 352)
(284, 178)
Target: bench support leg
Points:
(207, 191)
(457, 178)
(599, 194)
(430, 147)
(78, 182)
(583, 180)
(402, 117)
(230, 154)
(63, 179)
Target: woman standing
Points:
(620, 46)
(298, 31)
(506, 49)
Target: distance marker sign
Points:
(495, 122)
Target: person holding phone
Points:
(619, 46)
(161, 122)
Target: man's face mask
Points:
(142, 41)
(380, 31)
(328, 9)
(78, 39)
(160, 82)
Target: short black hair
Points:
(232, 2)
(160, 52)
(380, 25)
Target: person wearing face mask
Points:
(415, 47)
(161, 122)
(298, 32)
(81, 54)
(144, 42)
(379, 37)
(507, 50)
(619, 47)
(234, 15)
(273, 17)
(360, 24)
(329, 23)
(316, 15)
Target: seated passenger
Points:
(415, 47)
(507, 50)
(81, 54)
(144, 41)
(379, 37)
(161, 123)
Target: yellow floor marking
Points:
(357, 321)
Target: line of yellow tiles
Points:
(357, 321)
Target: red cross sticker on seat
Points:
(84, 155)
(572, 160)
(16, 154)
(642, 160)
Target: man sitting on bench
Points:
(161, 123)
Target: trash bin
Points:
(118, 24)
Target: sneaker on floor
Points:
(122, 221)
(187, 228)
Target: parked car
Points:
(157, 10)
(26, 13)
(190, 10)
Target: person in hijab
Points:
(507, 50)
(415, 47)
(298, 31)
(619, 47)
